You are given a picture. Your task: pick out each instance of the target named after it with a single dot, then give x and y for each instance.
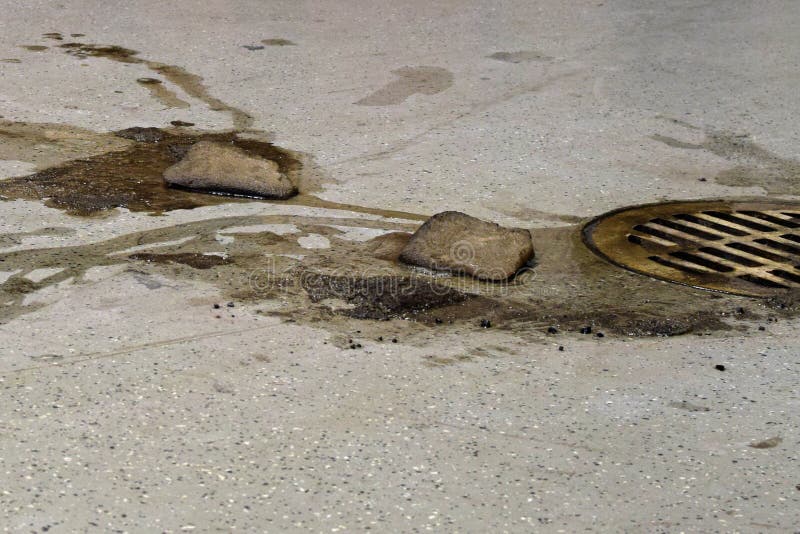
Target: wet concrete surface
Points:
(179, 361)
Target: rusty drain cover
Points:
(743, 247)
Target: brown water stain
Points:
(411, 81)
(10, 60)
(753, 165)
(161, 93)
(87, 173)
(35, 48)
(192, 259)
(767, 443)
(45, 144)
(190, 83)
(512, 208)
(277, 42)
(56, 36)
(131, 177)
(521, 56)
(688, 406)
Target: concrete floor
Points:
(130, 407)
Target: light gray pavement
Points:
(128, 406)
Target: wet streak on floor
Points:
(190, 83)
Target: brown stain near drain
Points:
(522, 56)
(162, 94)
(312, 201)
(277, 42)
(410, 81)
(689, 407)
(46, 144)
(767, 443)
(192, 259)
(124, 169)
(753, 165)
(132, 176)
(190, 83)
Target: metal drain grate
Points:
(748, 248)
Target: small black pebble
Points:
(216, 306)
(552, 330)
(740, 311)
(600, 334)
(761, 328)
(702, 179)
(437, 321)
(394, 340)
(586, 330)
(230, 304)
(561, 348)
(486, 323)
(352, 346)
(358, 345)
(380, 338)
(719, 367)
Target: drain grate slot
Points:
(711, 224)
(649, 241)
(761, 253)
(771, 218)
(786, 275)
(739, 220)
(662, 235)
(762, 281)
(687, 229)
(743, 247)
(678, 266)
(699, 260)
(778, 246)
(730, 256)
(791, 237)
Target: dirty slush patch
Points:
(84, 173)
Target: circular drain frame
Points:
(744, 247)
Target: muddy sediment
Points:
(570, 288)
(351, 281)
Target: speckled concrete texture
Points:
(132, 404)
